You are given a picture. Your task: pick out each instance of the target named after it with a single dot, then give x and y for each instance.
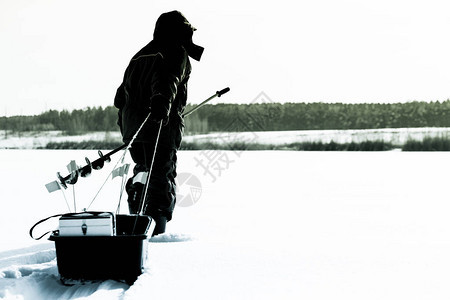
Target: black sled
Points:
(121, 256)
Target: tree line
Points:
(253, 117)
(70, 122)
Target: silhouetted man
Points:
(155, 81)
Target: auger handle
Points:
(220, 93)
(217, 94)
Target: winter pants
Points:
(160, 199)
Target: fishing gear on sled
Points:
(75, 172)
(106, 236)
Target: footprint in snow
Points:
(24, 262)
(170, 238)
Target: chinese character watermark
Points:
(213, 162)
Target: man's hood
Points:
(173, 28)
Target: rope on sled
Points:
(121, 161)
(122, 188)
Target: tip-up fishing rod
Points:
(98, 164)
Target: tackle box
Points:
(120, 256)
(87, 224)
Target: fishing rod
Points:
(98, 164)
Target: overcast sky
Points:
(67, 54)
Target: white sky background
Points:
(67, 54)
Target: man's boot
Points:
(160, 226)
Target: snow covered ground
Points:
(396, 136)
(264, 225)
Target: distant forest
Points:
(252, 117)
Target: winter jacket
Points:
(155, 69)
(161, 68)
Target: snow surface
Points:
(269, 225)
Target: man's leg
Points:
(161, 192)
(135, 189)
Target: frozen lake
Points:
(396, 136)
(266, 225)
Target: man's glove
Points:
(159, 109)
